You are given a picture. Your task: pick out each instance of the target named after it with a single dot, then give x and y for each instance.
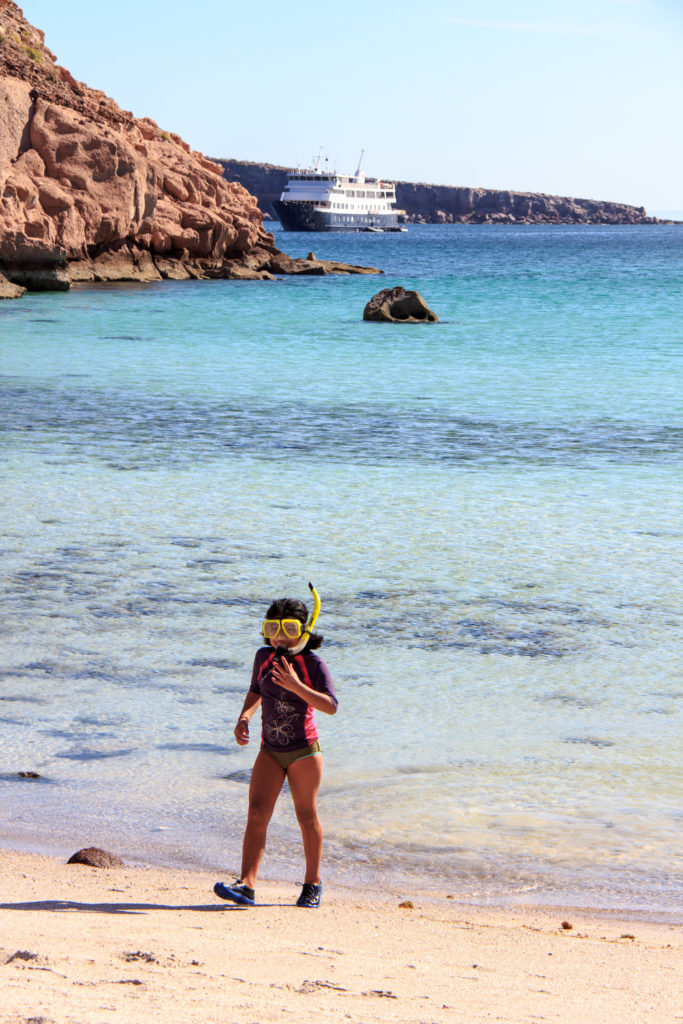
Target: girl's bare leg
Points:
(304, 778)
(266, 782)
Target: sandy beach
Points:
(134, 944)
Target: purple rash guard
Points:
(287, 721)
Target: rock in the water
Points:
(96, 858)
(397, 306)
(283, 264)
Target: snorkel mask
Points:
(292, 628)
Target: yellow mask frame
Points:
(293, 628)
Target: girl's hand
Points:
(285, 676)
(242, 732)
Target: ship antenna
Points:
(316, 165)
(360, 161)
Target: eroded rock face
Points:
(398, 306)
(88, 192)
(10, 290)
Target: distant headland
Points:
(90, 193)
(445, 204)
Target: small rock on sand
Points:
(96, 858)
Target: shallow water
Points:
(490, 508)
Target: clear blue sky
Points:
(579, 98)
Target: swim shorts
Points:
(287, 757)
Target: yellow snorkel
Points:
(308, 628)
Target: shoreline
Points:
(361, 875)
(82, 943)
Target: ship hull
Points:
(297, 216)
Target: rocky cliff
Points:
(265, 181)
(444, 204)
(90, 193)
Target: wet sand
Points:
(138, 944)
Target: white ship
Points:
(320, 200)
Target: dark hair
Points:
(293, 608)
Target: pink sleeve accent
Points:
(310, 728)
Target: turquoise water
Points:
(490, 507)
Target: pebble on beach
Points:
(96, 858)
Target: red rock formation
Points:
(88, 192)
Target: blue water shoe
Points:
(310, 895)
(238, 892)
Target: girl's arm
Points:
(285, 676)
(251, 702)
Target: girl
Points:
(289, 681)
